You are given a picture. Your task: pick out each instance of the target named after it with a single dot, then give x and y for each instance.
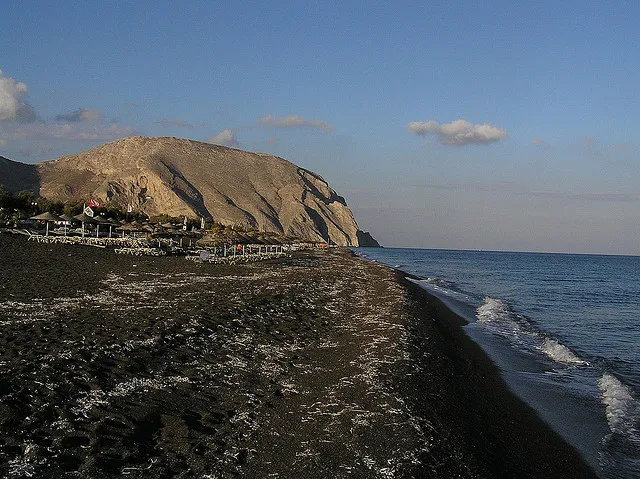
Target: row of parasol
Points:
(218, 236)
(82, 218)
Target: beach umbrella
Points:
(66, 219)
(130, 227)
(105, 221)
(213, 238)
(112, 223)
(84, 218)
(99, 221)
(47, 217)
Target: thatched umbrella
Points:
(268, 240)
(216, 238)
(47, 217)
(212, 238)
(130, 227)
(66, 219)
(278, 240)
(244, 238)
(112, 223)
(105, 221)
(84, 218)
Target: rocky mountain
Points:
(183, 177)
(18, 176)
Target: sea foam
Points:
(497, 313)
(560, 353)
(493, 310)
(620, 455)
(622, 409)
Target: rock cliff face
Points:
(183, 177)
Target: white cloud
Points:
(19, 122)
(81, 115)
(226, 138)
(66, 131)
(293, 121)
(12, 104)
(458, 132)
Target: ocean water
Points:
(563, 328)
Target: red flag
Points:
(93, 203)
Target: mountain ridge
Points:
(185, 177)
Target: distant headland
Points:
(179, 177)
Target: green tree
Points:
(5, 197)
(26, 201)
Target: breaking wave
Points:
(443, 287)
(493, 310)
(497, 314)
(622, 409)
(442, 283)
(620, 455)
(560, 353)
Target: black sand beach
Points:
(317, 365)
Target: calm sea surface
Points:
(564, 329)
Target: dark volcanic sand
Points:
(318, 365)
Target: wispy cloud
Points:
(515, 188)
(597, 196)
(13, 105)
(226, 137)
(589, 144)
(626, 197)
(180, 123)
(541, 143)
(458, 132)
(490, 187)
(293, 121)
(81, 115)
(66, 131)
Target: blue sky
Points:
(467, 125)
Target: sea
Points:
(563, 328)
